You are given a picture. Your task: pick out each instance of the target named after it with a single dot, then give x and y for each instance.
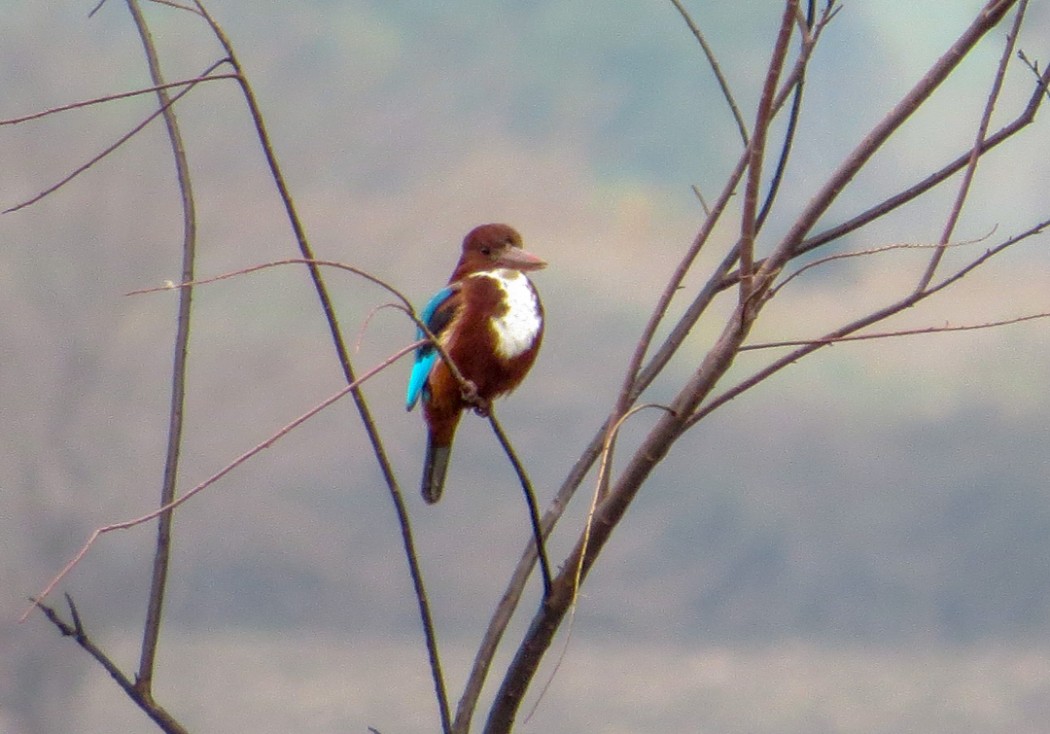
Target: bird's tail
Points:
(434, 467)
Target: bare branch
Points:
(185, 497)
(279, 263)
(143, 700)
(1034, 67)
(158, 581)
(836, 183)
(121, 140)
(1025, 118)
(176, 5)
(947, 328)
(757, 149)
(812, 346)
(714, 365)
(870, 251)
(975, 155)
(344, 360)
(809, 40)
(716, 68)
(530, 500)
(205, 77)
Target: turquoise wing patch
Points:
(426, 355)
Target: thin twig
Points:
(275, 264)
(603, 471)
(177, 6)
(1034, 67)
(890, 334)
(727, 93)
(700, 197)
(205, 77)
(185, 497)
(158, 580)
(757, 149)
(874, 140)
(813, 345)
(119, 142)
(975, 155)
(408, 543)
(1023, 119)
(530, 500)
(809, 40)
(870, 251)
(77, 632)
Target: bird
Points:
(489, 320)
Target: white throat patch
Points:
(516, 330)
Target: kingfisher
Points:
(489, 320)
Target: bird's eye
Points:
(486, 250)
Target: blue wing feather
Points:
(418, 379)
(426, 355)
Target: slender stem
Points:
(151, 708)
(191, 493)
(206, 76)
(161, 557)
(607, 516)
(833, 337)
(757, 149)
(975, 151)
(516, 586)
(636, 380)
(530, 500)
(792, 126)
(715, 68)
(714, 366)
(1023, 119)
(921, 331)
(119, 142)
(372, 430)
(837, 182)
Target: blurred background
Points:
(861, 544)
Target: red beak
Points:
(516, 258)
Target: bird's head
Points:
(494, 246)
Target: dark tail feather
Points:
(434, 468)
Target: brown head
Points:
(491, 247)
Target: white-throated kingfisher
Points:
(489, 320)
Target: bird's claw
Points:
(471, 397)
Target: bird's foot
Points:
(479, 404)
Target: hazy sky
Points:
(877, 514)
